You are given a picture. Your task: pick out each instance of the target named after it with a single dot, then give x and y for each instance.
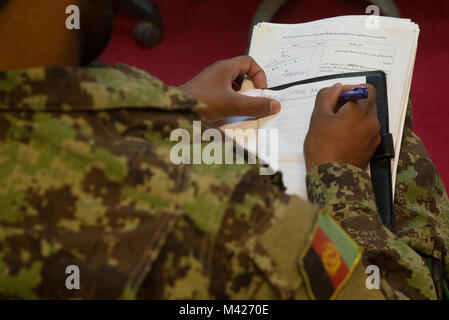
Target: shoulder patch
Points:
(329, 259)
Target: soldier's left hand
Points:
(213, 86)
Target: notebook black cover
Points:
(380, 164)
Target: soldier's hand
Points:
(345, 134)
(213, 86)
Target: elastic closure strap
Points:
(385, 148)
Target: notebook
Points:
(293, 52)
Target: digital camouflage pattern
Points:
(86, 180)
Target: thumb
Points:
(327, 99)
(243, 105)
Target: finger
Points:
(368, 104)
(241, 105)
(372, 107)
(372, 93)
(371, 89)
(247, 65)
(327, 99)
(349, 87)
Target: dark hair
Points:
(3, 3)
(96, 28)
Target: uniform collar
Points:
(60, 88)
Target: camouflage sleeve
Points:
(97, 190)
(86, 183)
(347, 193)
(240, 237)
(343, 187)
(421, 204)
(87, 198)
(243, 240)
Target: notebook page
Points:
(292, 124)
(305, 51)
(290, 53)
(403, 110)
(351, 18)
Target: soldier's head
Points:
(35, 33)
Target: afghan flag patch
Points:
(329, 259)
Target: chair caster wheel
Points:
(148, 34)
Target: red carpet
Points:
(199, 32)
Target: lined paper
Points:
(292, 123)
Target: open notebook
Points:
(289, 53)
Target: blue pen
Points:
(357, 93)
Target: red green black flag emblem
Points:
(329, 259)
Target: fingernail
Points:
(337, 85)
(275, 106)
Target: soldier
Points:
(86, 184)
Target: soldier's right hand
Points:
(213, 86)
(346, 134)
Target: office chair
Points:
(149, 31)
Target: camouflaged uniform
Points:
(86, 180)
